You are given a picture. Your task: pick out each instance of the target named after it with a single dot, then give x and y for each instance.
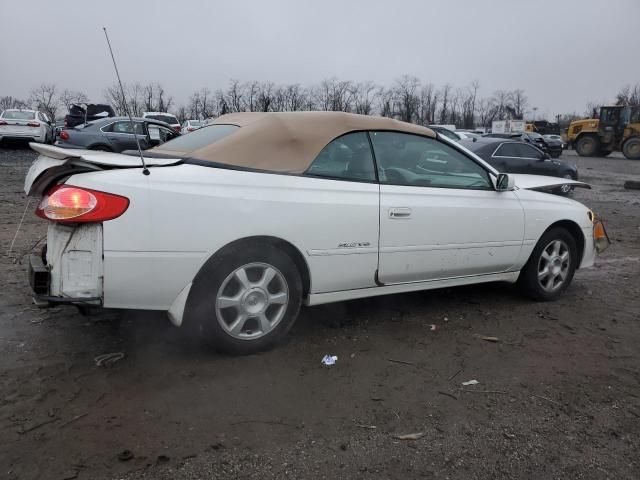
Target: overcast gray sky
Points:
(562, 53)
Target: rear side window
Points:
(200, 138)
(346, 158)
(507, 150)
(19, 115)
(124, 127)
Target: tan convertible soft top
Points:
(287, 141)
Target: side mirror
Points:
(545, 156)
(505, 183)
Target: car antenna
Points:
(145, 170)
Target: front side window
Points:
(347, 158)
(159, 134)
(527, 151)
(412, 160)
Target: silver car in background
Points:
(20, 124)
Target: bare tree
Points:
(406, 97)
(517, 104)
(629, 95)
(12, 102)
(446, 91)
(44, 99)
(67, 97)
(364, 96)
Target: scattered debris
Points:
(107, 359)
(632, 185)
(125, 455)
(487, 339)
(377, 399)
(409, 436)
(447, 394)
(500, 392)
(454, 375)
(353, 355)
(470, 382)
(433, 327)
(509, 436)
(368, 427)
(162, 459)
(445, 319)
(37, 425)
(329, 360)
(77, 417)
(547, 399)
(404, 362)
(545, 315)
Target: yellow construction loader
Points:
(618, 128)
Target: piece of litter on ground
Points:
(470, 382)
(488, 339)
(409, 436)
(329, 360)
(510, 436)
(446, 319)
(433, 328)
(369, 427)
(107, 359)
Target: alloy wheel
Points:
(553, 266)
(252, 300)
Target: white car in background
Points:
(230, 229)
(191, 125)
(165, 117)
(21, 124)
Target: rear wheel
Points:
(631, 148)
(246, 299)
(587, 145)
(551, 266)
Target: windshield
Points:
(170, 119)
(199, 138)
(19, 115)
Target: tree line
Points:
(408, 99)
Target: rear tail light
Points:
(33, 124)
(2, 122)
(66, 203)
(177, 129)
(190, 129)
(64, 135)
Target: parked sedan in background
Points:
(164, 117)
(18, 124)
(239, 223)
(191, 125)
(116, 134)
(511, 155)
(553, 148)
(556, 138)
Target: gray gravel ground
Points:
(559, 393)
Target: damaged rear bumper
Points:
(70, 270)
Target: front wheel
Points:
(245, 299)
(587, 146)
(551, 266)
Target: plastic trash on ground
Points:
(329, 360)
(470, 382)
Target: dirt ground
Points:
(558, 394)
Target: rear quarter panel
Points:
(179, 216)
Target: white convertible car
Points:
(231, 228)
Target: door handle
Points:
(399, 213)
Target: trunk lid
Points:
(54, 163)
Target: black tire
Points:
(101, 148)
(528, 281)
(631, 148)
(203, 316)
(587, 145)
